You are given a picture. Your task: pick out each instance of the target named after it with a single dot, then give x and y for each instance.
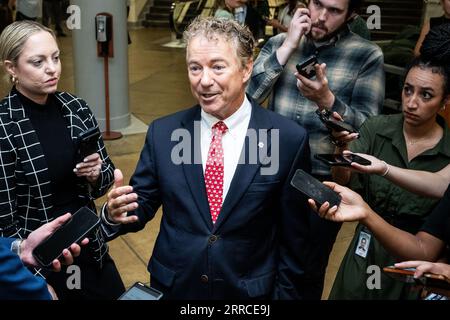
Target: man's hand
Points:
(42, 233)
(316, 90)
(344, 137)
(300, 25)
(121, 199)
(351, 208)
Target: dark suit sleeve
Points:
(145, 183)
(294, 232)
(16, 281)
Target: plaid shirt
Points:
(355, 76)
(25, 190)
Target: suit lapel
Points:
(246, 171)
(29, 149)
(69, 107)
(194, 171)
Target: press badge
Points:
(362, 246)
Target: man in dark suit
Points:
(16, 281)
(232, 226)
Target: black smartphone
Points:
(314, 189)
(339, 126)
(336, 125)
(73, 231)
(306, 68)
(140, 291)
(341, 160)
(87, 142)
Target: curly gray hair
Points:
(230, 30)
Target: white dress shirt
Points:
(232, 140)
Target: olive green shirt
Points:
(382, 137)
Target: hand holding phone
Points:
(427, 279)
(326, 117)
(314, 189)
(306, 68)
(74, 230)
(342, 160)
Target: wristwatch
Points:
(16, 246)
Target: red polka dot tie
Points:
(214, 170)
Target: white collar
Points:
(233, 121)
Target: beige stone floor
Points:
(158, 86)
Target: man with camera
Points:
(347, 78)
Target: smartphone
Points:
(314, 189)
(306, 68)
(87, 142)
(74, 230)
(336, 125)
(341, 160)
(403, 275)
(427, 279)
(140, 291)
(339, 126)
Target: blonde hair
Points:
(227, 29)
(14, 36)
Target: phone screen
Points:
(314, 189)
(139, 291)
(74, 230)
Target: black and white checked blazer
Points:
(25, 192)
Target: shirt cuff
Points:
(338, 106)
(104, 216)
(272, 66)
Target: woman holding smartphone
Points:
(423, 248)
(418, 139)
(41, 176)
(424, 183)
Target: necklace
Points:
(412, 142)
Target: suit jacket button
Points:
(204, 278)
(212, 239)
